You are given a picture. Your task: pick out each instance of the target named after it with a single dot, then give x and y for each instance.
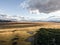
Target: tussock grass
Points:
(21, 31)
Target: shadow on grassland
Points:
(47, 37)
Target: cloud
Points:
(34, 11)
(54, 16)
(24, 4)
(14, 17)
(44, 6)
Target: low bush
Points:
(47, 37)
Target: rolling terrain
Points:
(20, 33)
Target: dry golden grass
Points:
(21, 30)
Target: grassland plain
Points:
(14, 33)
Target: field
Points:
(19, 33)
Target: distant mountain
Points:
(5, 21)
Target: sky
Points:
(38, 10)
(10, 7)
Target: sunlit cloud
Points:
(34, 11)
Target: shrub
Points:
(47, 37)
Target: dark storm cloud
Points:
(45, 6)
